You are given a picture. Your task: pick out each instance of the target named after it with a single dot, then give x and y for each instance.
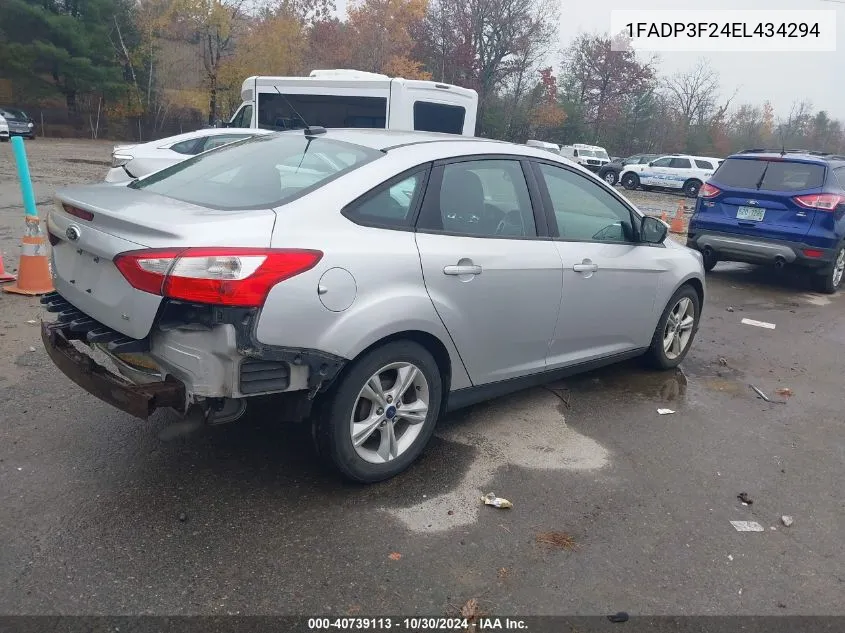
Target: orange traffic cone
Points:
(4, 276)
(677, 225)
(664, 217)
(34, 268)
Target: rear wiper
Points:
(763, 176)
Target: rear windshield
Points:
(769, 175)
(293, 111)
(261, 172)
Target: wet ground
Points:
(100, 516)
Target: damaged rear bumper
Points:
(139, 400)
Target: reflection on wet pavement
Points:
(526, 430)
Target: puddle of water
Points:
(525, 430)
(632, 381)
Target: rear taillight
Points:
(708, 191)
(812, 252)
(215, 275)
(82, 214)
(820, 201)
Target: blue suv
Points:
(775, 207)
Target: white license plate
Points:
(750, 213)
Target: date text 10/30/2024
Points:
(417, 624)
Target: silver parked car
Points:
(367, 280)
(136, 161)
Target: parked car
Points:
(135, 161)
(409, 275)
(610, 172)
(678, 171)
(769, 207)
(4, 129)
(590, 157)
(549, 147)
(19, 122)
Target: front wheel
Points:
(380, 416)
(676, 330)
(710, 260)
(610, 177)
(829, 280)
(630, 181)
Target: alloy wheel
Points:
(389, 412)
(678, 330)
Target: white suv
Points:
(677, 171)
(592, 157)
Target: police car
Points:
(680, 172)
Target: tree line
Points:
(146, 63)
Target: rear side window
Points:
(390, 205)
(189, 147)
(294, 112)
(680, 163)
(439, 117)
(703, 164)
(262, 172)
(769, 175)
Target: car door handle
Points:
(585, 267)
(462, 270)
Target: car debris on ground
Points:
(665, 411)
(559, 540)
(747, 526)
(763, 396)
(743, 496)
(763, 324)
(787, 520)
(491, 499)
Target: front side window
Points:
(262, 172)
(243, 118)
(680, 163)
(481, 198)
(583, 210)
(298, 111)
(662, 162)
(439, 117)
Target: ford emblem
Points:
(72, 233)
(752, 203)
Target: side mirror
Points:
(653, 231)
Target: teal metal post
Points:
(24, 177)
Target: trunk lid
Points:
(768, 211)
(129, 219)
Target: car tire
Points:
(830, 277)
(610, 177)
(710, 260)
(630, 181)
(691, 188)
(347, 404)
(663, 355)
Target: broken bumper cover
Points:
(137, 400)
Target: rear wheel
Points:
(710, 260)
(829, 280)
(676, 330)
(376, 421)
(630, 181)
(691, 188)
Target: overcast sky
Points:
(779, 77)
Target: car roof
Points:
(801, 155)
(384, 140)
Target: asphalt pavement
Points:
(100, 516)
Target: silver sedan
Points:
(365, 281)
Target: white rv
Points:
(351, 98)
